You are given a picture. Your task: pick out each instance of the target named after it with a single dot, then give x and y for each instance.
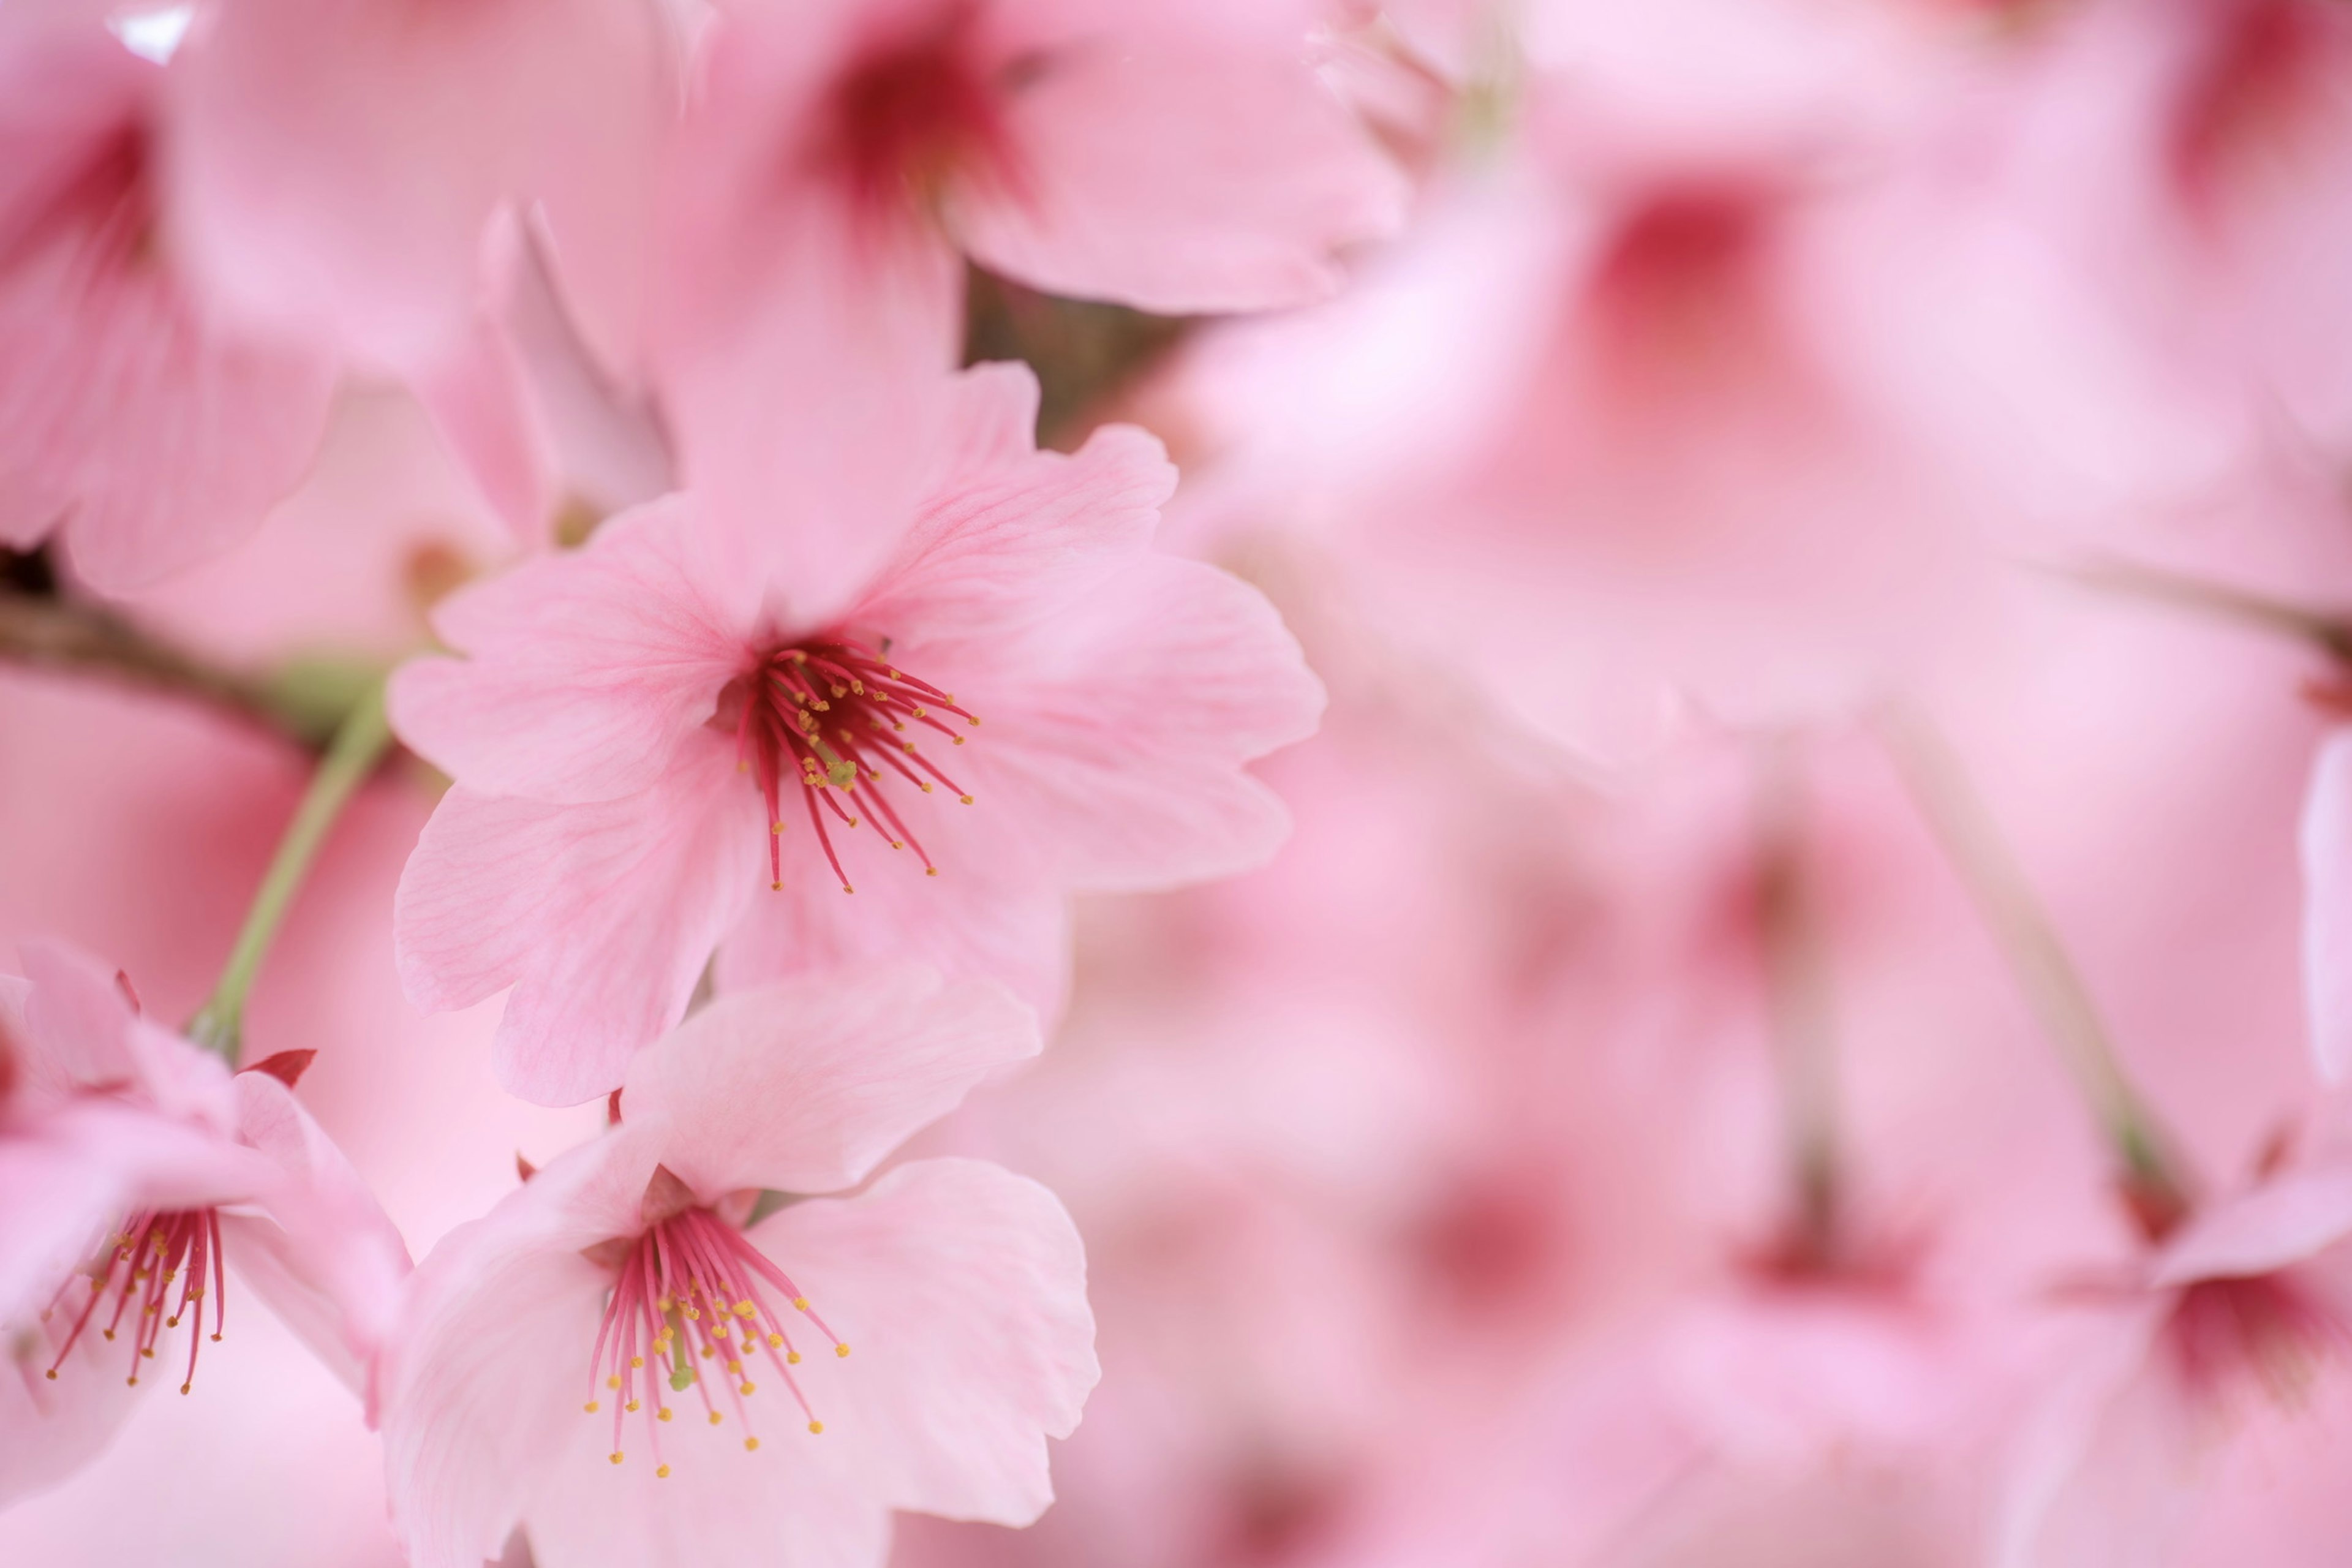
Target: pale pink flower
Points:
(844, 156)
(157, 1164)
(2236, 1317)
(631, 1279)
(135, 421)
(687, 734)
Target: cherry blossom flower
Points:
(2238, 1312)
(160, 1165)
(688, 734)
(844, 152)
(607, 1357)
(136, 420)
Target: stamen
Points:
(681, 1293)
(780, 738)
(153, 1252)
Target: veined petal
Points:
(961, 1289)
(804, 1086)
(585, 671)
(602, 917)
(327, 1258)
(482, 1388)
(1117, 731)
(1014, 538)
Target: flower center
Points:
(154, 1252)
(692, 1300)
(828, 718)
(2268, 1329)
(920, 110)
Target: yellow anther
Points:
(631, 1407)
(716, 1419)
(965, 799)
(733, 1365)
(590, 1407)
(663, 1414)
(800, 1303)
(617, 1458)
(841, 1350)
(661, 1473)
(637, 1361)
(930, 870)
(816, 1425)
(747, 1388)
(774, 1341)
(775, 827)
(792, 1358)
(742, 1308)
(614, 1381)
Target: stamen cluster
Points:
(690, 1300)
(153, 1252)
(829, 716)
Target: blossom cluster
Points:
(1691, 905)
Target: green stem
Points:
(2045, 972)
(358, 744)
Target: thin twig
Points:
(79, 639)
(2329, 630)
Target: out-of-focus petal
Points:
(2326, 845)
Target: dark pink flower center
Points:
(919, 109)
(693, 1302)
(155, 1254)
(830, 719)
(2273, 1330)
(105, 204)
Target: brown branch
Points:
(79, 639)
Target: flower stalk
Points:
(358, 744)
(2153, 1183)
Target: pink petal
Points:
(47, 1434)
(965, 922)
(2327, 844)
(338, 162)
(485, 1382)
(2104, 1478)
(153, 433)
(586, 669)
(2284, 1220)
(602, 917)
(1130, 192)
(77, 1021)
(961, 1290)
(326, 1258)
(800, 350)
(804, 1087)
(479, 396)
(719, 1507)
(1018, 535)
(1115, 735)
